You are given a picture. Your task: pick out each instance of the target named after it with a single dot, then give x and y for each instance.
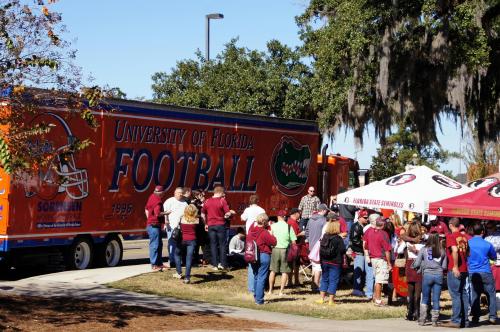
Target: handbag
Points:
(292, 252)
(177, 234)
(400, 262)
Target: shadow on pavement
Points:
(26, 313)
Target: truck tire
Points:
(109, 253)
(79, 254)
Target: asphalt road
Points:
(134, 253)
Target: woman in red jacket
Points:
(265, 241)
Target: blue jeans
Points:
(359, 272)
(482, 282)
(260, 270)
(217, 235)
(303, 224)
(330, 277)
(370, 279)
(171, 247)
(349, 223)
(459, 298)
(155, 245)
(189, 245)
(251, 279)
(432, 283)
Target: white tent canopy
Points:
(410, 191)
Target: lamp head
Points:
(215, 16)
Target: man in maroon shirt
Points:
(379, 254)
(155, 220)
(214, 211)
(438, 226)
(457, 250)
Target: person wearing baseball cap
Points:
(313, 234)
(378, 246)
(293, 222)
(356, 245)
(438, 226)
(155, 221)
(284, 235)
(347, 213)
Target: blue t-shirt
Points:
(481, 252)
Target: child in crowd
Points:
(431, 262)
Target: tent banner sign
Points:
(476, 212)
(377, 202)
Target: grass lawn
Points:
(230, 289)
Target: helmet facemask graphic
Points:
(61, 175)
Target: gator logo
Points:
(290, 166)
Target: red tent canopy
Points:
(483, 203)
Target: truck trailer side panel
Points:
(102, 190)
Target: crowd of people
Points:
(426, 252)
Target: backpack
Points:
(177, 234)
(251, 250)
(327, 250)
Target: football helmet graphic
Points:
(61, 175)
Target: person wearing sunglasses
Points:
(308, 205)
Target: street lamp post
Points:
(214, 16)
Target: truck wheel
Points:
(111, 252)
(79, 255)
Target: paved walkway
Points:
(89, 285)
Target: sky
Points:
(122, 43)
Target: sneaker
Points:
(379, 303)
(157, 268)
(214, 268)
(187, 281)
(330, 302)
(177, 276)
(492, 321)
(320, 301)
(220, 267)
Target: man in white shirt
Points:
(251, 212)
(174, 209)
